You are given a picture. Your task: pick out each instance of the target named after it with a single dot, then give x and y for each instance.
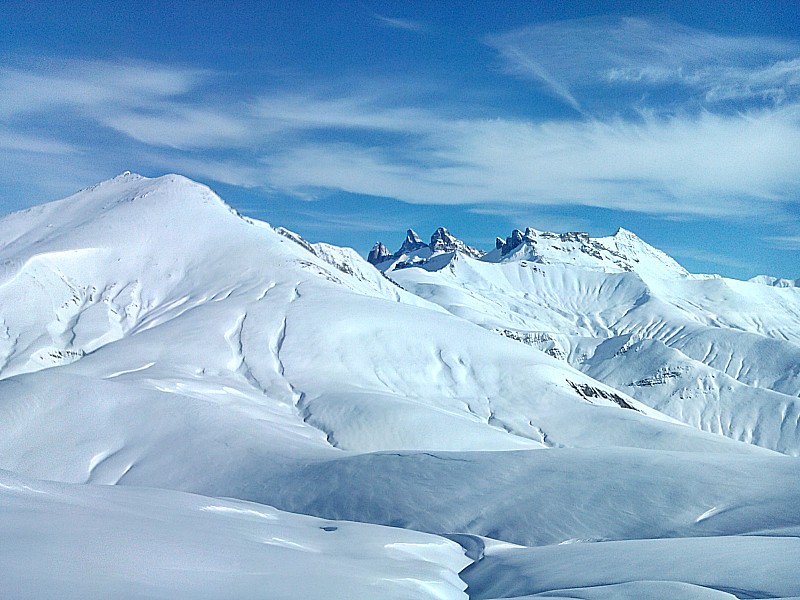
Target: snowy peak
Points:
(116, 213)
(775, 281)
(638, 254)
(624, 251)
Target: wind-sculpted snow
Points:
(153, 339)
(542, 498)
(720, 567)
(686, 388)
(79, 542)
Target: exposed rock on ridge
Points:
(442, 241)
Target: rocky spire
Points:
(412, 242)
(378, 254)
(443, 241)
(512, 241)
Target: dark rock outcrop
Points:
(378, 254)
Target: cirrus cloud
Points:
(577, 60)
(304, 139)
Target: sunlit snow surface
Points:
(82, 542)
(719, 354)
(154, 340)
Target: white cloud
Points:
(571, 58)
(527, 64)
(358, 110)
(183, 127)
(786, 242)
(396, 23)
(709, 165)
(369, 142)
(20, 142)
(91, 86)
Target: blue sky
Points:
(350, 121)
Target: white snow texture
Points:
(196, 405)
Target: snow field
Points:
(157, 343)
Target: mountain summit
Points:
(624, 251)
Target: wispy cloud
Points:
(712, 165)
(367, 141)
(397, 23)
(711, 258)
(789, 242)
(90, 86)
(183, 127)
(20, 142)
(571, 58)
(361, 109)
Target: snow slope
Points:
(67, 541)
(155, 341)
(716, 353)
(704, 568)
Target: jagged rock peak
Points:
(516, 239)
(775, 281)
(443, 241)
(378, 254)
(412, 242)
(415, 252)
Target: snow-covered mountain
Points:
(775, 281)
(154, 340)
(719, 354)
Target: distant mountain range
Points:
(716, 353)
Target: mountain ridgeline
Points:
(413, 247)
(716, 353)
(196, 404)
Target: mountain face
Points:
(448, 419)
(715, 353)
(622, 252)
(378, 254)
(415, 252)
